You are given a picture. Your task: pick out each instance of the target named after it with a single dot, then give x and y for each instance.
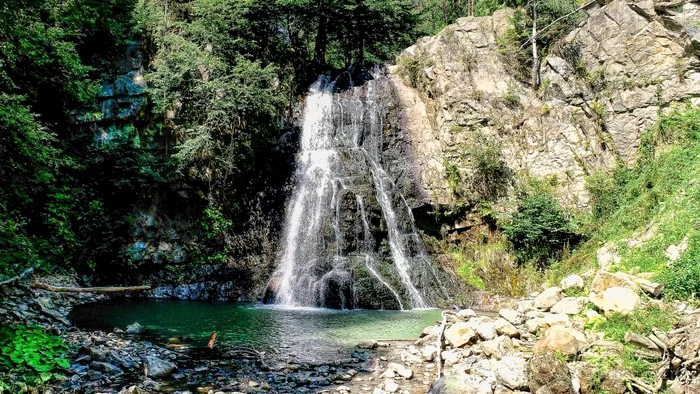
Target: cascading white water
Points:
(329, 239)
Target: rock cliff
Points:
(602, 86)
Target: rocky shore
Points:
(548, 343)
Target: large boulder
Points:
(155, 367)
(549, 372)
(459, 334)
(548, 298)
(498, 347)
(567, 341)
(616, 299)
(605, 280)
(511, 372)
(503, 327)
(569, 306)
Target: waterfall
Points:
(349, 239)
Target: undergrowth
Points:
(29, 358)
(660, 197)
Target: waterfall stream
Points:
(349, 239)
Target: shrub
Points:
(539, 230)
(31, 353)
(682, 279)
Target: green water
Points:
(304, 334)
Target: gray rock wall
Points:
(603, 86)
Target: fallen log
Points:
(24, 274)
(57, 289)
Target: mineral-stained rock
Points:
(558, 338)
(459, 334)
(547, 371)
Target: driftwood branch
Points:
(640, 340)
(56, 289)
(441, 334)
(24, 274)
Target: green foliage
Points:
(491, 176)
(539, 229)
(659, 196)
(641, 321)
(30, 356)
(682, 279)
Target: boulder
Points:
(567, 341)
(390, 386)
(605, 280)
(554, 319)
(456, 384)
(503, 327)
(498, 347)
(459, 334)
(134, 329)
(400, 370)
(466, 314)
(572, 282)
(158, 368)
(486, 330)
(547, 372)
(511, 372)
(512, 316)
(616, 299)
(429, 352)
(569, 306)
(548, 298)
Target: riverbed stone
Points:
(134, 329)
(550, 374)
(498, 348)
(569, 306)
(567, 341)
(572, 282)
(466, 314)
(503, 327)
(511, 372)
(156, 367)
(616, 299)
(548, 298)
(400, 370)
(460, 334)
(391, 386)
(511, 315)
(486, 329)
(429, 352)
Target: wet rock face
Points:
(350, 240)
(639, 57)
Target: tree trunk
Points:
(321, 42)
(535, 55)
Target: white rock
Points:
(548, 298)
(497, 348)
(532, 325)
(616, 299)
(429, 352)
(567, 341)
(452, 357)
(466, 314)
(400, 370)
(391, 386)
(525, 306)
(459, 334)
(486, 330)
(554, 319)
(512, 316)
(510, 372)
(572, 282)
(503, 327)
(569, 306)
